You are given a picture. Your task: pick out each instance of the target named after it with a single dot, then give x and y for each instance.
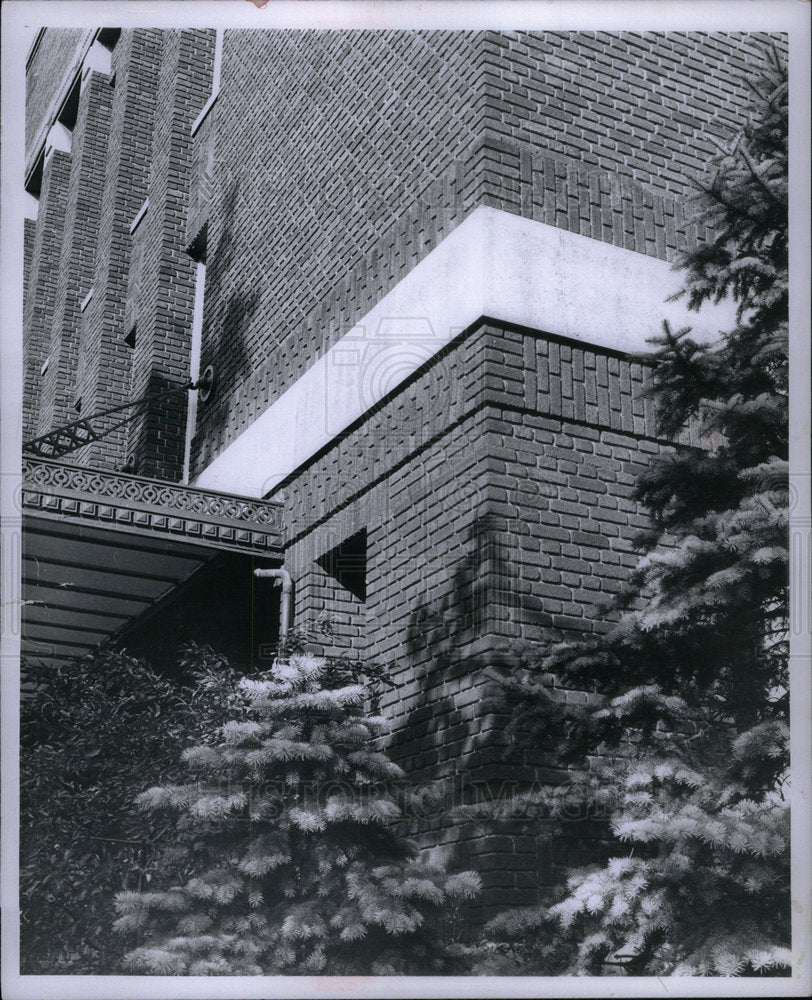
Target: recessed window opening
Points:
(33, 182)
(347, 563)
(69, 111)
(139, 215)
(197, 248)
(129, 339)
(108, 37)
(215, 81)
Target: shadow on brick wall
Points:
(224, 341)
(156, 439)
(455, 723)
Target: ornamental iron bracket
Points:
(73, 436)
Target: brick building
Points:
(414, 268)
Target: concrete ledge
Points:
(139, 215)
(493, 264)
(97, 59)
(58, 140)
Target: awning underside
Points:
(101, 549)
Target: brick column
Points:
(104, 359)
(78, 252)
(166, 295)
(42, 274)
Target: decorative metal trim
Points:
(71, 437)
(150, 507)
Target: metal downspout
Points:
(282, 579)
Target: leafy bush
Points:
(92, 732)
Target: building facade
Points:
(411, 273)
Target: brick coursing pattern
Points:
(496, 486)
(497, 492)
(105, 361)
(78, 252)
(334, 161)
(597, 133)
(137, 143)
(29, 238)
(383, 113)
(201, 172)
(42, 277)
(642, 105)
(50, 62)
(496, 489)
(161, 307)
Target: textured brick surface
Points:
(131, 140)
(42, 275)
(104, 373)
(161, 305)
(635, 104)
(381, 115)
(375, 147)
(496, 491)
(332, 162)
(77, 262)
(201, 172)
(493, 490)
(507, 518)
(49, 64)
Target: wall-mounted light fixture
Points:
(206, 383)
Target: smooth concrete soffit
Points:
(493, 264)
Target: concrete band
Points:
(493, 264)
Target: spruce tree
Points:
(691, 707)
(286, 858)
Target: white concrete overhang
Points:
(493, 264)
(101, 549)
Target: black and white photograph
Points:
(405, 499)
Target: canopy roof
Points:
(100, 549)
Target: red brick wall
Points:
(50, 62)
(42, 272)
(77, 261)
(359, 179)
(496, 490)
